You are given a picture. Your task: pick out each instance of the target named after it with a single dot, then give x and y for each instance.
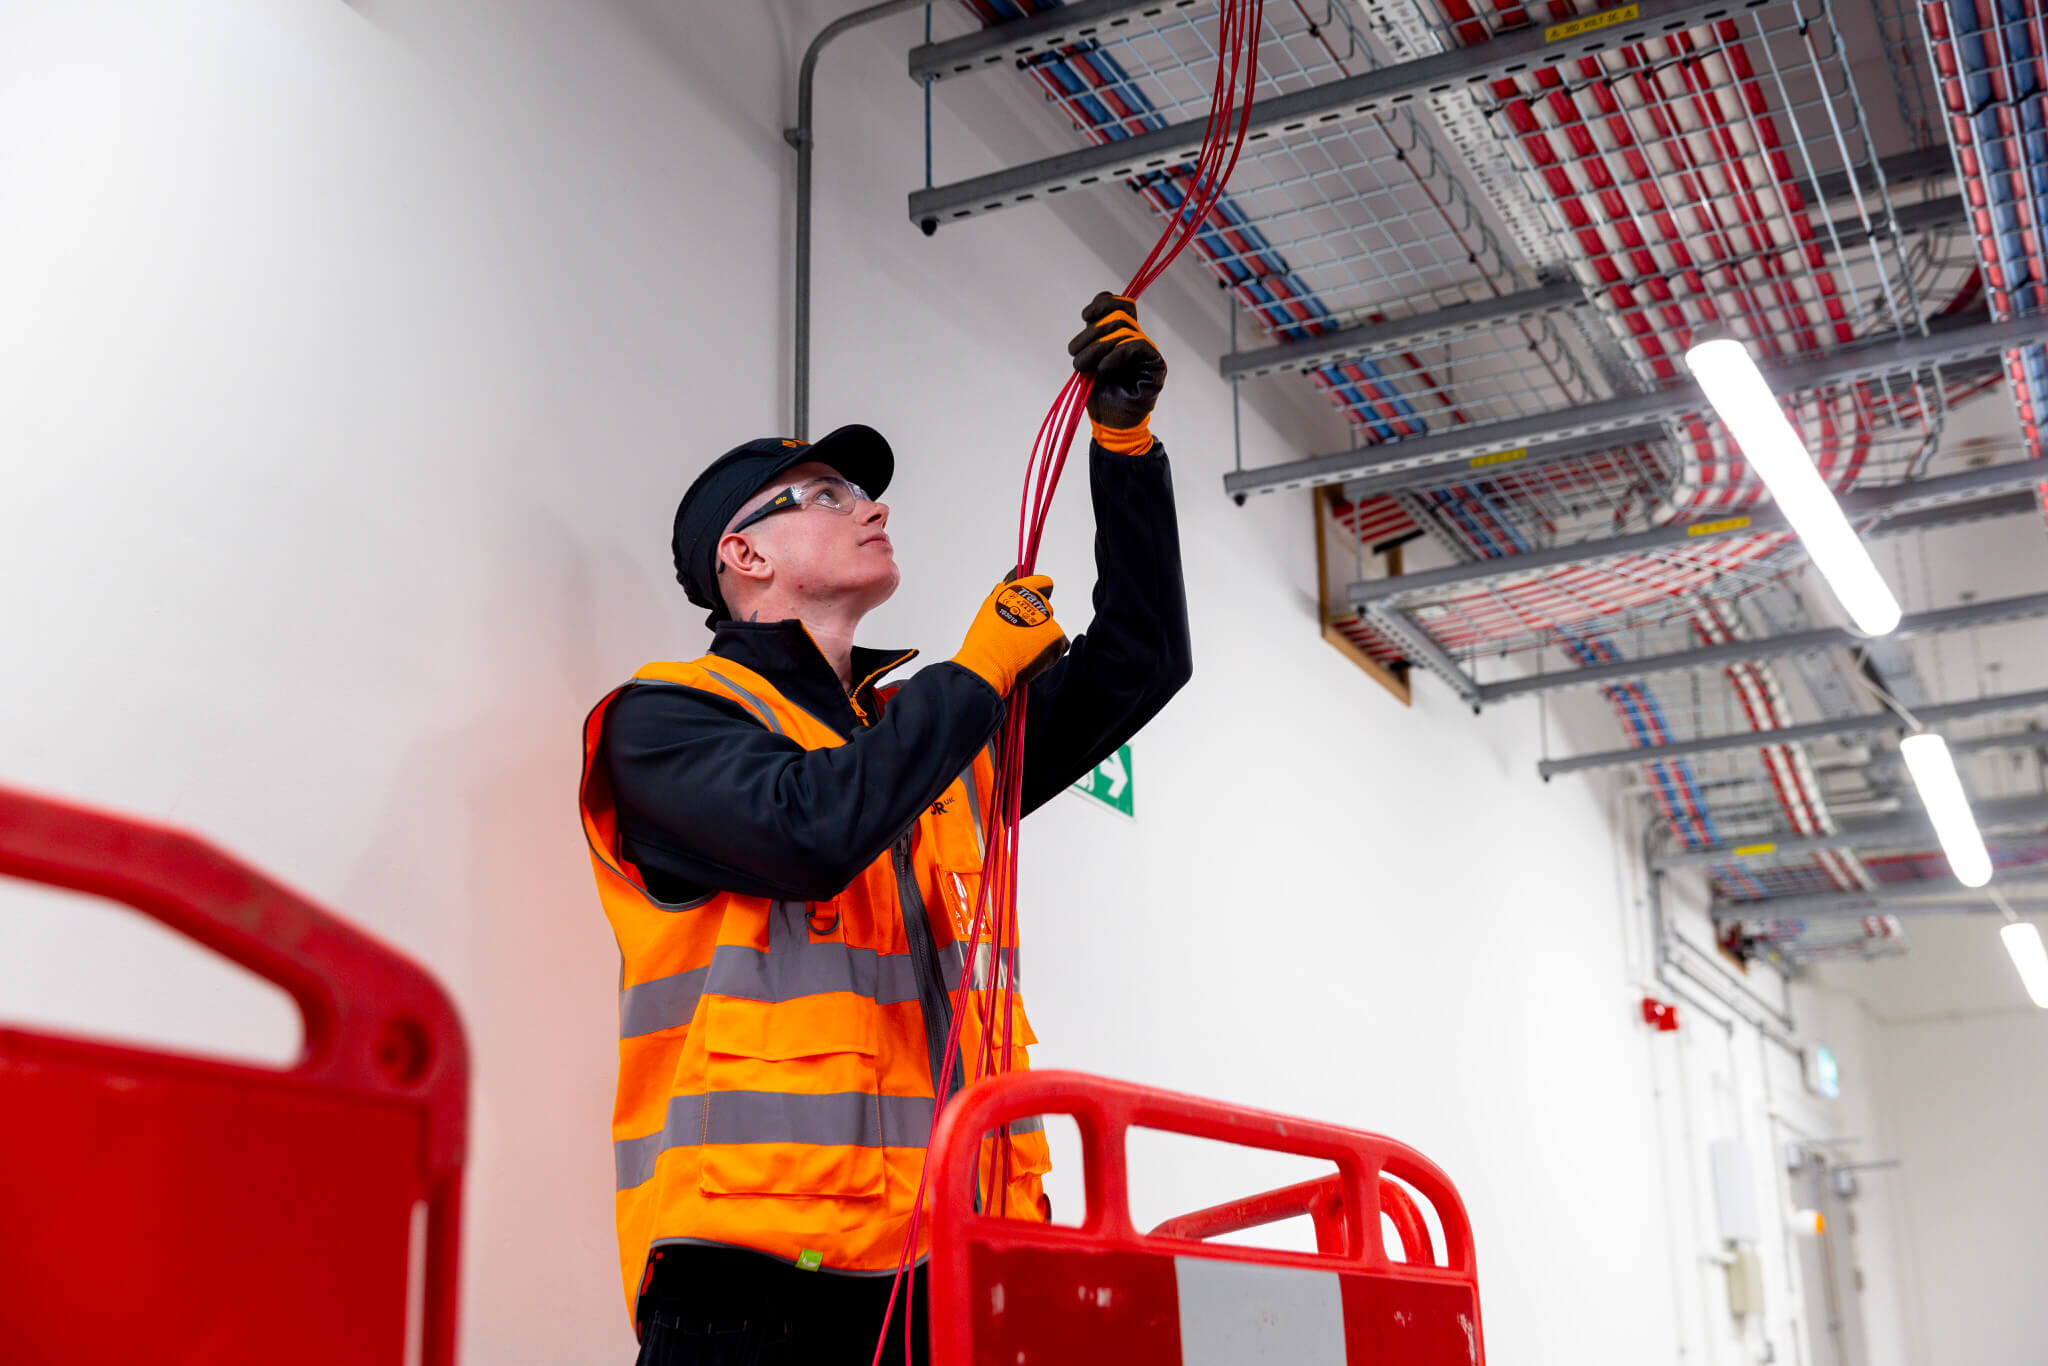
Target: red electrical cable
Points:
(1223, 138)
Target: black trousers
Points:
(711, 1306)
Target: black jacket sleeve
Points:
(708, 798)
(1136, 653)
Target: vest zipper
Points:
(932, 997)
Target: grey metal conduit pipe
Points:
(801, 138)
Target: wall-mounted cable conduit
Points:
(803, 137)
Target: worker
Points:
(790, 857)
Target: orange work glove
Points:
(1013, 638)
(1128, 369)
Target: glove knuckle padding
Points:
(1128, 369)
(1014, 634)
(1105, 303)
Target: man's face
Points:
(821, 554)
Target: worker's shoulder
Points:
(664, 693)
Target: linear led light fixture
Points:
(1941, 792)
(1754, 417)
(2023, 943)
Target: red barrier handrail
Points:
(1103, 1110)
(376, 1026)
(1323, 1201)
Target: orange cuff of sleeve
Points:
(1123, 440)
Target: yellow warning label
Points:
(1714, 528)
(1620, 14)
(1751, 850)
(1497, 458)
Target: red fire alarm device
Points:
(1659, 1016)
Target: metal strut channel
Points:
(1882, 361)
(1401, 334)
(1953, 494)
(1928, 896)
(1421, 647)
(1818, 730)
(1022, 38)
(1389, 87)
(2013, 813)
(1522, 458)
(1770, 647)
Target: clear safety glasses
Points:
(825, 492)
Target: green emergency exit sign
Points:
(1110, 782)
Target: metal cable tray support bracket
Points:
(1954, 497)
(1369, 92)
(1400, 334)
(1020, 39)
(1871, 724)
(1927, 896)
(1770, 647)
(1885, 360)
(2012, 813)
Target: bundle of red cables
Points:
(1223, 137)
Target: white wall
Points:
(355, 361)
(1960, 1050)
(1974, 1182)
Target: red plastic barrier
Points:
(175, 1209)
(1005, 1291)
(1322, 1200)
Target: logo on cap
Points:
(1020, 606)
(794, 444)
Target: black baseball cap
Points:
(859, 454)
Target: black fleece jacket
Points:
(710, 800)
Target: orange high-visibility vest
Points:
(776, 1058)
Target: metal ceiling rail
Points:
(1926, 896)
(1817, 730)
(1946, 212)
(1882, 361)
(1953, 494)
(1043, 32)
(2032, 737)
(1770, 647)
(1924, 163)
(1334, 102)
(1401, 334)
(1981, 510)
(1684, 281)
(2012, 813)
(1522, 459)
(1422, 647)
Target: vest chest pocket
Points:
(791, 1103)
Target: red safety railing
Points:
(1006, 1290)
(175, 1209)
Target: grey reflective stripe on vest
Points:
(974, 811)
(951, 957)
(852, 1119)
(1034, 1124)
(791, 967)
(754, 703)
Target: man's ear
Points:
(737, 555)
